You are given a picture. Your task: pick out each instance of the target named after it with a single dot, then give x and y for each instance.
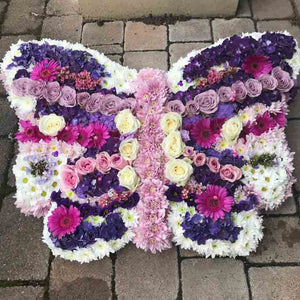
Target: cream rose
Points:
(126, 122)
(170, 121)
(129, 149)
(128, 178)
(231, 130)
(173, 144)
(178, 171)
(51, 124)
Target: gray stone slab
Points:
(8, 119)
(288, 207)
(22, 293)
(108, 49)
(213, 279)
(142, 275)
(243, 9)
(65, 7)
(5, 150)
(281, 241)
(23, 255)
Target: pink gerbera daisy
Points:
(69, 134)
(213, 202)
(64, 221)
(100, 136)
(203, 134)
(84, 134)
(262, 124)
(45, 70)
(257, 65)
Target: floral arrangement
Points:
(108, 155)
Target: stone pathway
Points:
(28, 270)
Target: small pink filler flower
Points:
(213, 202)
(64, 221)
(257, 65)
(45, 70)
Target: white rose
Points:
(173, 144)
(128, 178)
(170, 122)
(126, 122)
(51, 124)
(129, 149)
(231, 130)
(178, 171)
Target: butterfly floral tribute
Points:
(109, 155)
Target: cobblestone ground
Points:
(29, 271)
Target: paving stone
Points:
(243, 9)
(288, 207)
(188, 253)
(2, 9)
(149, 59)
(281, 241)
(297, 5)
(7, 41)
(108, 33)
(279, 25)
(225, 28)
(11, 179)
(72, 280)
(5, 149)
(294, 107)
(23, 255)
(2, 89)
(272, 9)
(271, 283)
(178, 50)
(108, 49)
(292, 132)
(142, 275)
(213, 279)
(8, 119)
(22, 18)
(115, 58)
(140, 36)
(188, 31)
(22, 293)
(63, 28)
(66, 7)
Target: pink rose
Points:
(52, 92)
(226, 94)
(20, 86)
(191, 108)
(254, 87)
(36, 88)
(69, 178)
(240, 91)
(94, 102)
(68, 97)
(118, 162)
(176, 106)
(189, 152)
(110, 105)
(213, 164)
(208, 101)
(199, 159)
(85, 165)
(268, 82)
(103, 162)
(82, 98)
(285, 83)
(230, 173)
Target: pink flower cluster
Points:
(71, 174)
(152, 232)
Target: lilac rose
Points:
(82, 98)
(94, 103)
(285, 83)
(176, 106)
(110, 105)
(269, 82)
(207, 101)
(254, 87)
(52, 92)
(240, 91)
(128, 103)
(191, 108)
(226, 94)
(36, 88)
(20, 86)
(68, 97)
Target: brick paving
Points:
(29, 271)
